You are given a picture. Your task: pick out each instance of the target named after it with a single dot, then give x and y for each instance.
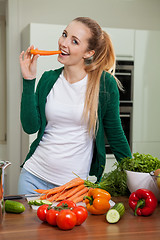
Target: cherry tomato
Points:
(51, 216)
(70, 204)
(81, 214)
(66, 219)
(41, 212)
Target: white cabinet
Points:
(146, 111)
(44, 37)
(123, 42)
(2, 83)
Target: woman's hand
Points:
(28, 64)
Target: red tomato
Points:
(41, 212)
(51, 216)
(70, 204)
(66, 219)
(81, 214)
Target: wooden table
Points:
(28, 226)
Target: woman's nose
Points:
(65, 42)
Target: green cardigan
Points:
(33, 117)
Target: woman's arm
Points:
(30, 116)
(112, 124)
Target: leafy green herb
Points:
(115, 182)
(140, 163)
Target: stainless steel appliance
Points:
(3, 165)
(125, 73)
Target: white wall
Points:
(136, 14)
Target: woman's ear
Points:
(89, 54)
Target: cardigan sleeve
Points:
(30, 117)
(112, 123)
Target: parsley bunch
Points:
(140, 163)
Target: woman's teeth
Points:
(64, 53)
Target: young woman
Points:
(72, 109)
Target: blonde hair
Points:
(102, 60)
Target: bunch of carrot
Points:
(73, 190)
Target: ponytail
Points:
(102, 60)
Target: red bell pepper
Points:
(143, 202)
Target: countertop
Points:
(27, 226)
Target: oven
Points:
(125, 73)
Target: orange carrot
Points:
(69, 192)
(43, 52)
(54, 197)
(79, 193)
(42, 197)
(79, 199)
(42, 191)
(75, 190)
(63, 194)
(55, 190)
(74, 182)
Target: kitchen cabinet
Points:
(146, 111)
(44, 37)
(123, 42)
(2, 85)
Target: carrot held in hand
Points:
(43, 52)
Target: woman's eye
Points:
(64, 34)
(75, 41)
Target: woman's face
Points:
(74, 43)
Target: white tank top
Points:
(66, 146)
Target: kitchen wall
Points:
(131, 14)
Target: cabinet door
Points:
(44, 37)
(146, 112)
(2, 84)
(123, 41)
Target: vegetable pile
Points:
(65, 215)
(115, 182)
(73, 190)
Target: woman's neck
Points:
(73, 74)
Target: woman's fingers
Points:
(28, 63)
(21, 56)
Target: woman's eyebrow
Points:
(76, 38)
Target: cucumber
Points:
(14, 207)
(39, 202)
(46, 202)
(115, 213)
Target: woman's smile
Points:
(64, 53)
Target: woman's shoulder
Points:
(52, 73)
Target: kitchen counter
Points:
(27, 226)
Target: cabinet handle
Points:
(123, 74)
(125, 115)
